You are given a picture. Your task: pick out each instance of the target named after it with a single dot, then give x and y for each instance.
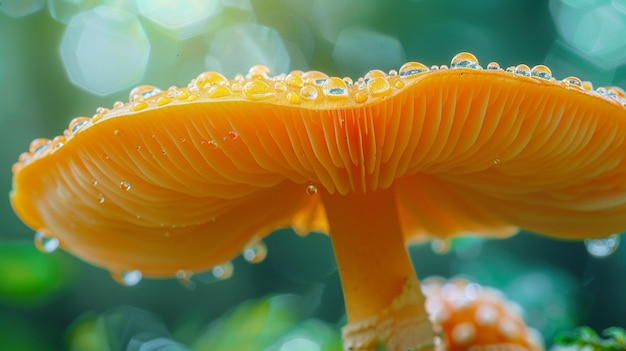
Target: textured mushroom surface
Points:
(469, 316)
(175, 182)
(187, 178)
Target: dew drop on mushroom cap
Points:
(186, 178)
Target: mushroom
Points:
(175, 182)
(469, 316)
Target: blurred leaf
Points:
(29, 277)
(587, 338)
(253, 325)
(320, 335)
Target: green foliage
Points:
(273, 323)
(29, 277)
(587, 339)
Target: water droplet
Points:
(375, 73)
(315, 77)
(142, 92)
(293, 98)
(541, 71)
(411, 69)
(335, 88)
(117, 132)
(233, 135)
(522, 70)
(360, 97)
(39, 145)
(125, 185)
(184, 278)
(223, 271)
(493, 66)
(127, 278)
(256, 252)
(464, 60)
(573, 81)
(217, 91)
(44, 243)
(602, 247)
(378, 86)
(311, 189)
(100, 198)
(118, 105)
(94, 182)
(206, 79)
(308, 92)
(440, 246)
(496, 161)
(294, 80)
(77, 124)
(57, 142)
(259, 72)
(163, 101)
(280, 86)
(138, 106)
(257, 90)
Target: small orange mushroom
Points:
(174, 182)
(473, 317)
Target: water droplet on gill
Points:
(411, 69)
(496, 161)
(464, 60)
(335, 88)
(604, 247)
(522, 70)
(541, 71)
(311, 189)
(142, 92)
(440, 246)
(257, 90)
(94, 182)
(256, 252)
(117, 132)
(45, 243)
(125, 185)
(493, 66)
(100, 198)
(223, 271)
(127, 278)
(233, 135)
(184, 278)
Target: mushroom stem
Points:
(383, 299)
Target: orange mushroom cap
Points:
(185, 179)
(474, 317)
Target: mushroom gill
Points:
(184, 179)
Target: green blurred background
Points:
(64, 58)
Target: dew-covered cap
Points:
(187, 178)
